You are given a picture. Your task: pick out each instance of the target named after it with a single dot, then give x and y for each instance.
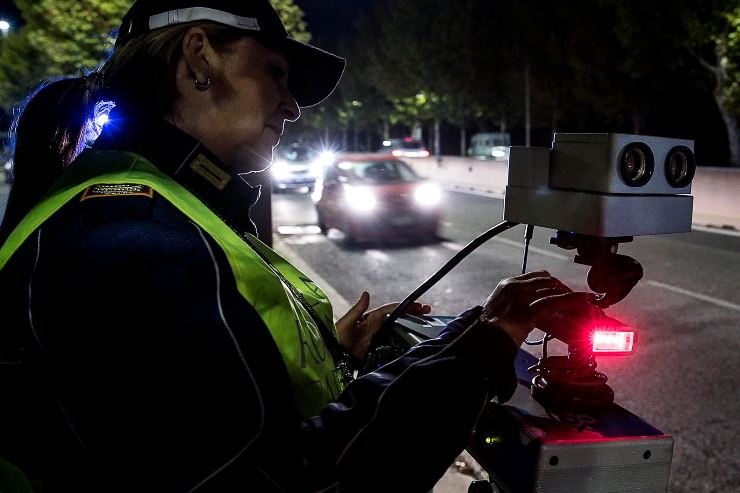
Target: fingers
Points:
(561, 302)
(356, 312)
(533, 274)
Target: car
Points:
(8, 167)
(406, 147)
(374, 197)
(490, 145)
(297, 166)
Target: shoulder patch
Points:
(116, 190)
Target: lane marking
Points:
(340, 305)
(721, 231)
(541, 251)
(702, 297)
(377, 255)
(455, 247)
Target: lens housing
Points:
(636, 164)
(680, 167)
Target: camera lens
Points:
(636, 164)
(679, 167)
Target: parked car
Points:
(372, 197)
(297, 166)
(406, 147)
(490, 145)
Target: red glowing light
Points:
(613, 341)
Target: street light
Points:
(4, 27)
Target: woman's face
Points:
(247, 106)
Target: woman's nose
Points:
(290, 109)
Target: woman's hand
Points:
(358, 326)
(519, 303)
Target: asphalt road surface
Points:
(683, 378)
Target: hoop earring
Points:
(203, 86)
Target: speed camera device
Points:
(607, 185)
(562, 430)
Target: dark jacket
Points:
(117, 371)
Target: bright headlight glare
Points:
(317, 167)
(359, 198)
(427, 194)
(280, 169)
(325, 158)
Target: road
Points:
(684, 376)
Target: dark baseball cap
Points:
(314, 73)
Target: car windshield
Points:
(379, 171)
(298, 153)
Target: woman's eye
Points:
(278, 72)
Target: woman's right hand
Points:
(519, 303)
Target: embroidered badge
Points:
(115, 190)
(210, 171)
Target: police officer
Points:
(150, 341)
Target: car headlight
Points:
(427, 194)
(359, 198)
(498, 153)
(316, 168)
(280, 169)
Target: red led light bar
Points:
(613, 340)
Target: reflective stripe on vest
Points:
(312, 372)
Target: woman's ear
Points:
(198, 55)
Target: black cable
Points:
(528, 233)
(434, 278)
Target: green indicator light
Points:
(492, 440)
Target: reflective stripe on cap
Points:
(181, 16)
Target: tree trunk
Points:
(720, 73)
(368, 139)
(437, 145)
(416, 130)
(527, 116)
(386, 130)
(502, 122)
(355, 138)
(733, 136)
(327, 141)
(345, 140)
(463, 141)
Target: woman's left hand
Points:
(357, 327)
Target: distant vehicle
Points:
(8, 168)
(490, 145)
(406, 147)
(297, 166)
(371, 197)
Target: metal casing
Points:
(590, 163)
(581, 202)
(606, 215)
(526, 448)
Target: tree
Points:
(62, 37)
(689, 41)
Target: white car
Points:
(8, 168)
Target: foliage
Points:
(62, 37)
